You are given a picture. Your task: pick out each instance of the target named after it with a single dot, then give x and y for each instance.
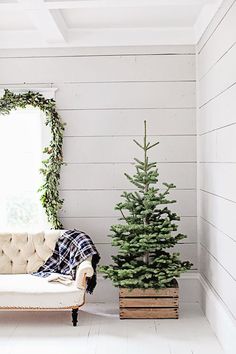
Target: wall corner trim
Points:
(220, 318)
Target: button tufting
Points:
(39, 251)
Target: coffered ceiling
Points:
(75, 23)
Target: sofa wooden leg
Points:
(75, 316)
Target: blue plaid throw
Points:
(72, 248)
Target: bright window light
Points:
(23, 135)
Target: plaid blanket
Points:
(72, 248)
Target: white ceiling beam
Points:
(105, 37)
(5, 6)
(72, 4)
(21, 39)
(102, 38)
(51, 26)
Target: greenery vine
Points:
(51, 166)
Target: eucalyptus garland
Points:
(51, 166)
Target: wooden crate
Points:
(149, 303)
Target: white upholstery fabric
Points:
(22, 253)
(85, 268)
(26, 252)
(29, 291)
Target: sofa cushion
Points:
(29, 291)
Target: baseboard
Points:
(189, 287)
(221, 320)
(106, 292)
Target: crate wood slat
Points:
(166, 292)
(149, 302)
(157, 313)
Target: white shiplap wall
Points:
(216, 58)
(104, 98)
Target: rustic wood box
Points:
(149, 303)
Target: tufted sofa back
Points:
(26, 252)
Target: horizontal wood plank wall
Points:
(216, 56)
(104, 97)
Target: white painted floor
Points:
(101, 331)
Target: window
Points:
(23, 135)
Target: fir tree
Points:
(147, 233)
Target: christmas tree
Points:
(147, 233)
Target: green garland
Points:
(50, 198)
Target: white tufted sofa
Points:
(22, 254)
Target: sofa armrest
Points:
(84, 270)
